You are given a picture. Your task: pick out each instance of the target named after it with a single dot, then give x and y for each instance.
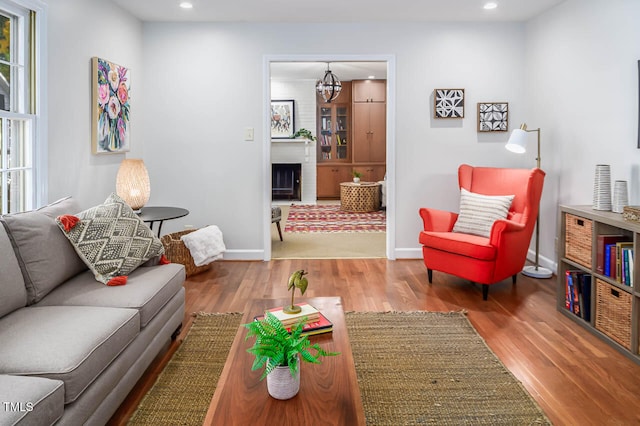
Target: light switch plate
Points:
(248, 134)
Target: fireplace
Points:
(285, 181)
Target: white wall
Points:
(203, 86)
(582, 91)
(77, 31)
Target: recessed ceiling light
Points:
(371, 77)
(491, 5)
(186, 5)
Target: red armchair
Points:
(485, 260)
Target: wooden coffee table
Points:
(329, 392)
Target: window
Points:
(17, 108)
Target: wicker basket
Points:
(177, 252)
(613, 312)
(579, 240)
(631, 213)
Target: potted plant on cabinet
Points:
(356, 176)
(280, 353)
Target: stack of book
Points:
(615, 258)
(316, 322)
(578, 293)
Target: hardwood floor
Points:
(575, 377)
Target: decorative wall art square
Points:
(493, 116)
(449, 103)
(111, 106)
(282, 119)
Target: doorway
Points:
(388, 62)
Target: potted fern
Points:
(280, 352)
(356, 176)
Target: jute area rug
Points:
(329, 218)
(413, 368)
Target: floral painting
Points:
(111, 106)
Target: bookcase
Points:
(597, 283)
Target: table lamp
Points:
(132, 183)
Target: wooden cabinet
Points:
(369, 132)
(352, 136)
(329, 178)
(334, 136)
(597, 283)
(371, 172)
(369, 90)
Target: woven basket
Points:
(631, 213)
(177, 252)
(579, 239)
(613, 312)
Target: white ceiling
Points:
(336, 10)
(288, 11)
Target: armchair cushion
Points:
(463, 244)
(478, 212)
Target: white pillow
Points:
(478, 212)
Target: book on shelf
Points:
(621, 247)
(308, 311)
(578, 293)
(603, 241)
(320, 326)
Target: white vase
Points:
(602, 188)
(356, 180)
(281, 384)
(620, 196)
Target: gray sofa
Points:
(72, 348)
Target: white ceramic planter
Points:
(356, 180)
(281, 384)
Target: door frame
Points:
(391, 127)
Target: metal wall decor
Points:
(449, 103)
(493, 116)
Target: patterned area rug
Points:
(413, 368)
(329, 218)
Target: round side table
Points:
(359, 197)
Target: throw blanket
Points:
(205, 245)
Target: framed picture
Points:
(110, 107)
(493, 116)
(282, 119)
(448, 103)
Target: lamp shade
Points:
(517, 141)
(132, 183)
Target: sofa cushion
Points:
(478, 212)
(69, 343)
(13, 292)
(30, 400)
(111, 239)
(148, 290)
(46, 257)
(468, 245)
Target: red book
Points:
(322, 325)
(604, 241)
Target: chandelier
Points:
(329, 87)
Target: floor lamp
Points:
(518, 143)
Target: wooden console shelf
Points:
(598, 275)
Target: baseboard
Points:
(408, 253)
(244, 255)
